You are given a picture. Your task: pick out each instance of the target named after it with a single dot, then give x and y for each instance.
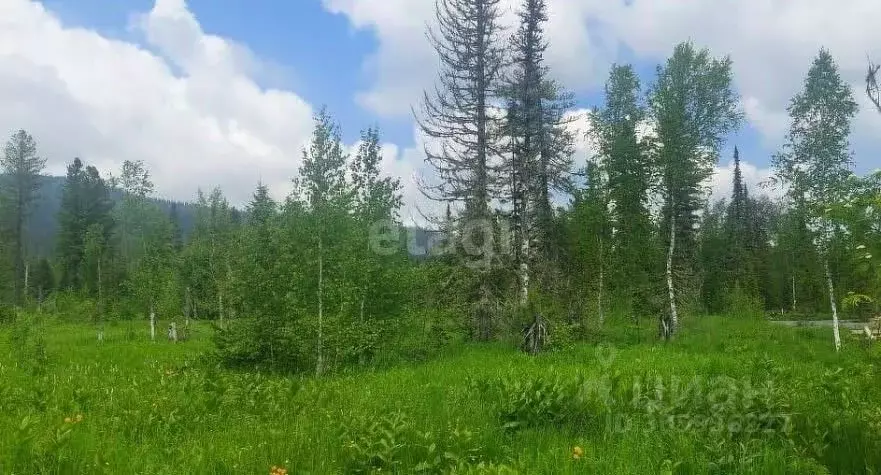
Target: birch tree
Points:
(694, 107)
(328, 197)
(376, 199)
(815, 163)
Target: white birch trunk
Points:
(794, 300)
(152, 323)
(674, 314)
(524, 261)
(100, 294)
(187, 308)
(319, 365)
(172, 332)
(600, 293)
(831, 287)
(524, 274)
(27, 272)
(220, 307)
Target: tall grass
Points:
(624, 404)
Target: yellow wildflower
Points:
(577, 452)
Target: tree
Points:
(20, 184)
(376, 200)
(626, 161)
(816, 159)
(739, 224)
(136, 186)
(872, 89)
(85, 203)
(42, 280)
(463, 128)
(458, 112)
(328, 198)
(177, 233)
(541, 144)
(590, 237)
(694, 107)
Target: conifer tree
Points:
(463, 125)
(541, 145)
(85, 204)
(21, 168)
(626, 160)
(458, 113)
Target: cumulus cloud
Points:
(771, 42)
(755, 178)
(186, 102)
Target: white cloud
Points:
(187, 104)
(755, 178)
(771, 42)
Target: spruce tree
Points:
(464, 128)
(626, 160)
(739, 230)
(458, 112)
(541, 145)
(85, 202)
(21, 168)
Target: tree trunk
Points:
(831, 287)
(152, 323)
(100, 295)
(524, 269)
(27, 273)
(220, 307)
(187, 308)
(600, 293)
(794, 300)
(669, 327)
(319, 365)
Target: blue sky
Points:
(318, 54)
(159, 81)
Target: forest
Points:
(356, 344)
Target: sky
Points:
(222, 93)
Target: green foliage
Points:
(20, 169)
(725, 397)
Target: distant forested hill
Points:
(43, 222)
(42, 225)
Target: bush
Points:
(743, 304)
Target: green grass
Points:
(163, 408)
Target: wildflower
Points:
(79, 417)
(275, 470)
(577, 452)
(67, 420)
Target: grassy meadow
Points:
(725, 397)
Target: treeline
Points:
(323, 280)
